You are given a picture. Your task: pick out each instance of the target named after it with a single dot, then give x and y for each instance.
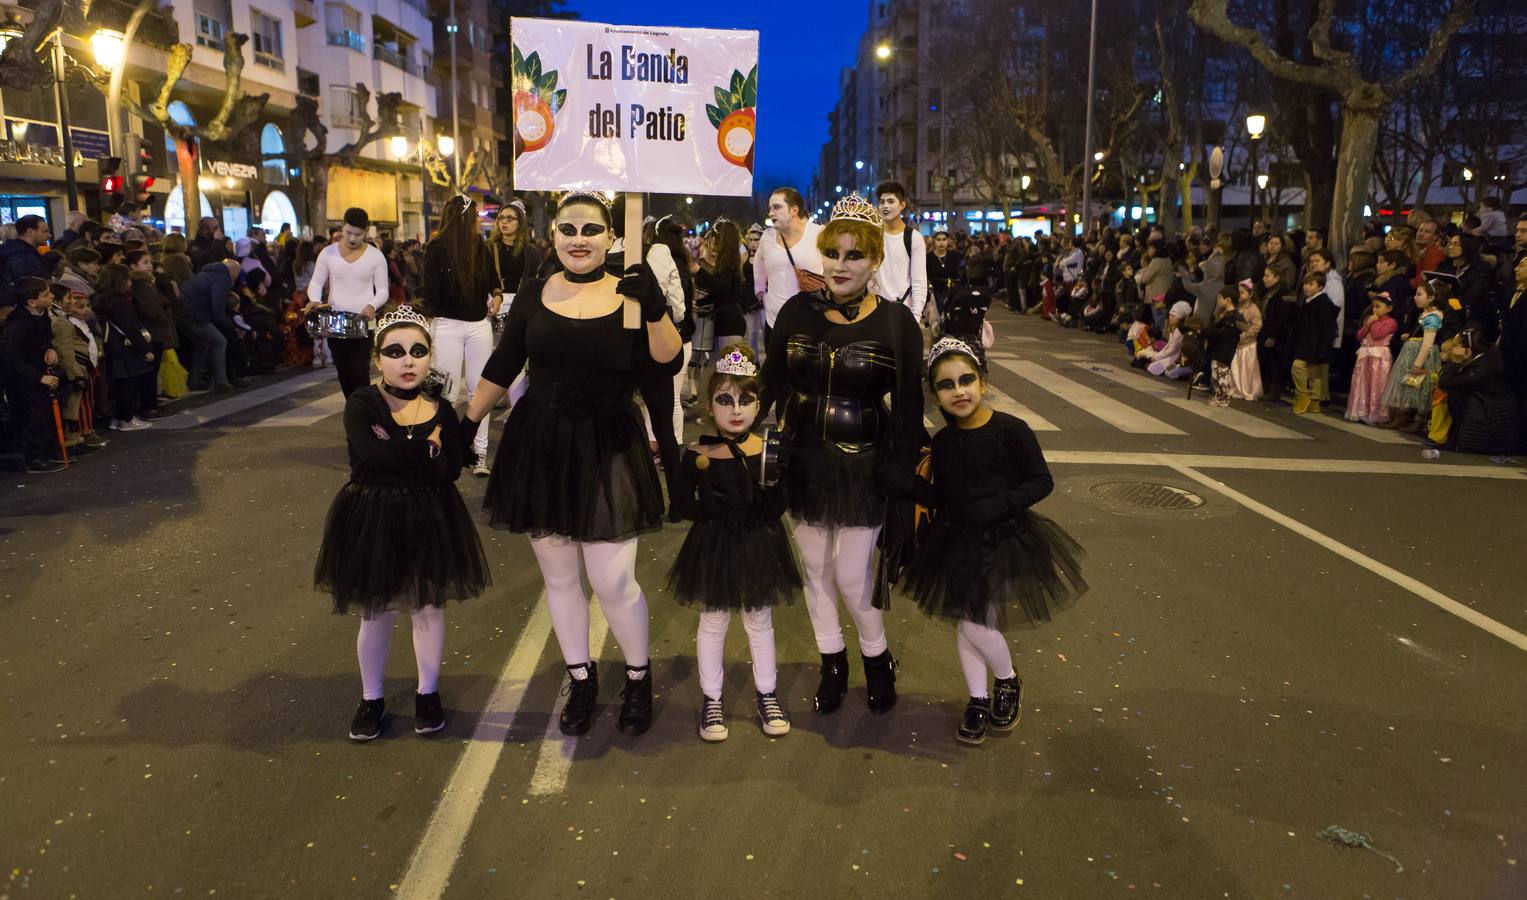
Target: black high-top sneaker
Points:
(1006, 707)
(636, 700)
(834, 682)
(370, 719)
(429, 714)
(880, 681)
(582, 688)
(973, 726)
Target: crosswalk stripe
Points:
(1088, 400)
(1366, 432)
(307, 414)
(1234, 419)
(1001, 402)
(249, 399)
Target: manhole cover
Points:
(1146, 495)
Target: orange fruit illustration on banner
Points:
(735, 118)
(536, 102)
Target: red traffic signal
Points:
(111, 184)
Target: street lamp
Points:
(688, 201)
(108, 46)
(858, 164)
(446, 145)
(399, 146)
(1262, 182)
(1468, 174)
(1024, 182)
(883, 51)
(1255, 125)
(838, 188)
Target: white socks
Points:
(611, 568)
(982, 648)
(710, 644)
(375, 639)
(840, 561)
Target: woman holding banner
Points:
(573, 470)
(833, 357)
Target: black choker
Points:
(586, 278)
(401, 393)
(848, 310)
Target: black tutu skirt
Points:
(580, 471)
(735, 562)
(827, 487)
(1023, 569)
(399, 548)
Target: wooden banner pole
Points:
(633, 252)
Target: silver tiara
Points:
(946, 345)
(403, 315)
(736, 363)
(858, 209)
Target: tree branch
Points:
(1456, 18)
(1213, 17)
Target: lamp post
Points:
(451, 27)
(1255, 125)
(66, 140)
(1092, 53)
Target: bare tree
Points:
(317, 160)
(1362, 101)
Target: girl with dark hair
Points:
(398, 538)
(573, 471)
(987, 558)
(737, 556)
(129, 347)
(456, 294)
(720, 293)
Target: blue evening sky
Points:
(801, 48)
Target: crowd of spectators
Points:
(1420, 327)
(103, 324)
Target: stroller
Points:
(964, 313)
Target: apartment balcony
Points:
(395, 58)
(347, 38)
(304, 12)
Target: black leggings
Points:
(352, 360)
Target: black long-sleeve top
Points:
(568, 358)
(123, 316)
(1314, 329)
(1222, 336)
(383, 454)
(452, 291)
(946, 270)
(1278, 314)
(507, 270)
(23, 344)
(725, 487)
(889, 325)
(724, 299)
(1000, 459)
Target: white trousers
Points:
(611, 569)
(839, 562)
(982, 649)
(375, 639)
(710, 646)
(461, 349)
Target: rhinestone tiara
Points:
(736, 363)
(858, 209)
(403, 315)
(947, 345)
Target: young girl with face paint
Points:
(398, 536)
(987, 559)
(736, 556)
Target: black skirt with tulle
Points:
(1020, 570)
(735, 562)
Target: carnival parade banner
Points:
(610, 107)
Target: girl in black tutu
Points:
(987, 559)
(736, 555)
(398, 536)
(572, 469)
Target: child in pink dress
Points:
(1365, 401)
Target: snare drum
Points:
(326, 322)
(499, 320)
(772, 463)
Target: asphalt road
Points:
(1333, 638)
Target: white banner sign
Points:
(610, 107)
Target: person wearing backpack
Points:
(903, 277)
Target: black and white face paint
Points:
(734, 411)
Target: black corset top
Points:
(837, 394)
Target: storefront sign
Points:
(607, 107)
(224, 169)
(31, 154)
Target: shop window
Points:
(272, 167)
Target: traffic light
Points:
(141, 184)
(111, 182)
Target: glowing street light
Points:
(446, 144)
(883, 51)
(1255, 125)
(108, 46)
(1468, 174)
(859, 164)
(1262, 182)
(838, 188)
(1098, 156)
(688, 200)
(1025, 181)
(399, 146)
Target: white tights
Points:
(710, 642)
(375, 637)
(611, 568)
(982, 648)
(839, 561)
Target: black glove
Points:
(641, 285)
(896, 482)
(985, 511)
(466, 433)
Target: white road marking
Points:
(435, 855)
(1175, 394)
(1088, 400)
(1072, 357)
(241, 401)
(1284, 464)
(1366, 432)
(1001, 402)
(307, 414)
(557, 749)
(1394, 576)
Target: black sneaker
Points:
(582, 688)
(370, 719)
(429, 715)
(1006, 706)
(44, 465)
(772, 716)
(712, 720)
(973, 726)
(636, 700)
